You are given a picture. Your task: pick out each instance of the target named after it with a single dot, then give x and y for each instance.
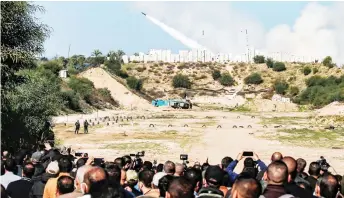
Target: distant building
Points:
(63, 73)
(279, 98)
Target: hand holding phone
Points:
(247, 153)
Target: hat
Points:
(214, 175)
(132, 175)
(36, 156)
(53, 168)
(157, 177)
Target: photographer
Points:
(249, 166)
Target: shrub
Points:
(293, 91)
(280, 87)
(182, 81)
(254, 78)
(315, 70)
(306, 71)
(279, 66)
(71, 99)
(328, 62)
(122, 74)
(216, 74)
(83, 86)
(258, 59)
(134, 83)
(269, 63)
(141, 69)
(226, 80)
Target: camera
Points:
(138, 154)
(183, 157)
(323, 164)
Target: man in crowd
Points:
(9, 176)
(194, 175)
(85, 126)
(212, 182)
(277, 175)
(65, 184)
(314, 173)
(21, 188)
(327, 187)
(169, 168)
(145, 184)
(292, 187)
(246, 187)
(180, 188)
(95, 183)
(79, 179)
(179, 170)
(65, 167)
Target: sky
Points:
(294, 27)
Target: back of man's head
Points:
(277, 173)
(164, 183)
(120, 162)
(10, 164)
(80, 162)
(301, 165)
(169, 168)
(225, 162)
(80, 174)
(114, 172)
(246, 187)
(214, 176)
(179, 169)
(146, 178)
(291, 164)
(329, 186)
(65, 165)
(28, 170)
(147, 165)
(180, 188)
(96, 181)
(314, 169)
(127, 160)
(194, 175)
(276, 156)
(65, 184)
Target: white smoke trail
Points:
(176, 34)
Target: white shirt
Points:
(7, 178)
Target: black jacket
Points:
(37, 189)
(297, 191)
(20, 188)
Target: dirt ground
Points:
(201, 135)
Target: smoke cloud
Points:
(317, 32)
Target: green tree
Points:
(315, 70)
(22, 40)
(136, 54)
(181, 81)
(306, 71)
(258, 59)
(97, 53)
(328, 62)
(279, 66)
(226, 80)
(280, 87)
(269, 63)
(216, 74)
(83, 86)
(293, 91)
(254, 78)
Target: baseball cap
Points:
(214, 175)
(53, 168)
(36, 156)
(157, 177)
(132, 175)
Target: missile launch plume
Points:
(176, 34)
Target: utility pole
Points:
(203, 48)
(248, 50)
(69, 50)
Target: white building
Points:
(63, 73)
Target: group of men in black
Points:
(77, 127)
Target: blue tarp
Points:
(160, 103)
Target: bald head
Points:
(246, 187)
(96, 181)
(277, 173)
(276, 156)
(179, 169)
(291, 164)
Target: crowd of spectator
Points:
(49, 173)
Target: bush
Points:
(141, 69)
(269, 63)
(328, 62)
(280, 87)
(279, 66)
(254, 78)
(134, 83)
(83, 86)
(53, 66)
(306, 71)
(293, 91)
(259, 59)
(122, 74)
(226, 80)
(71, 99)
(315, 70)
(182, 81)
(216, 74)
